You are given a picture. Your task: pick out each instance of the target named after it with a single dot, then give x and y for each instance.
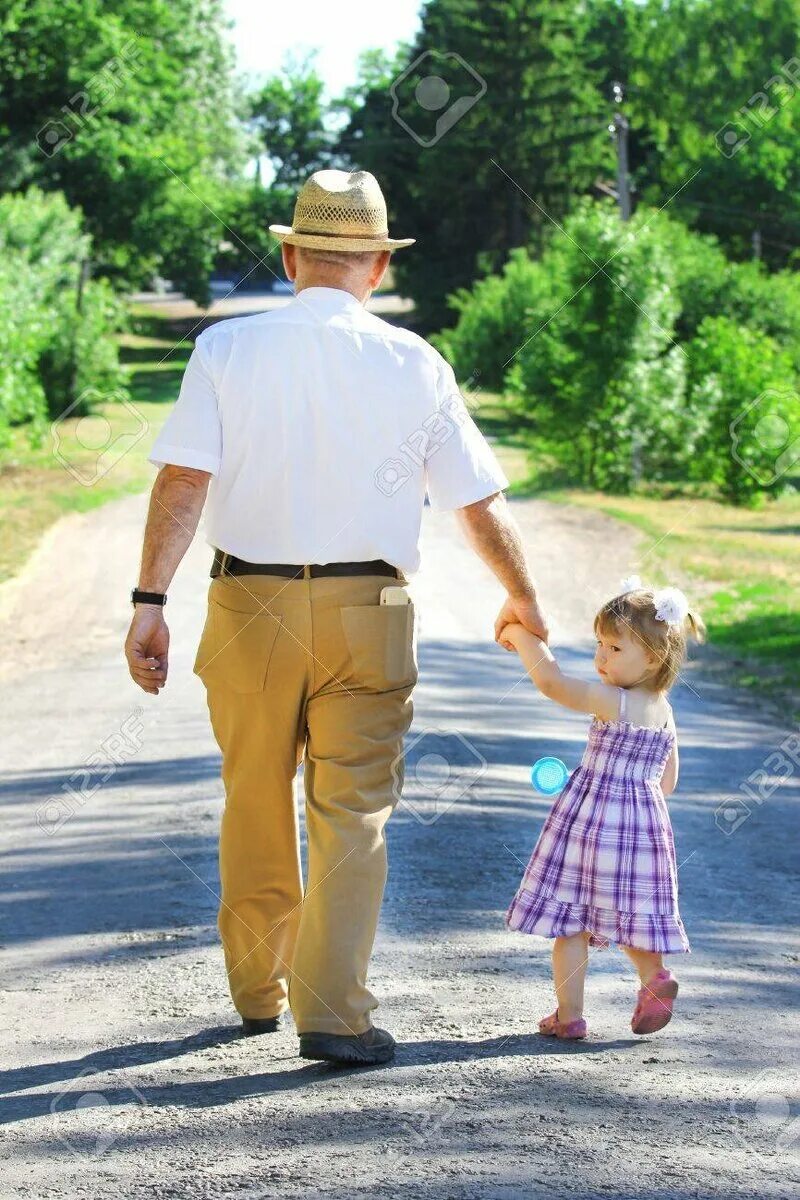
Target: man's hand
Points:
(527, 612)
(176, 502)
(146, 648)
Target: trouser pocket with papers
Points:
(381, 641)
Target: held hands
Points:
(513, 635)
(147, 647)
(517, 616)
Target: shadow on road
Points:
(213, 1092)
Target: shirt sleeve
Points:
(460, 466)
(191, 436)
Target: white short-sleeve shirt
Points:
(323, 427)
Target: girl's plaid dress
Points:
(605, 859)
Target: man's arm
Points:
(494, 536)
(176, 503)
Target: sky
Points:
(265, 31)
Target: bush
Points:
(746, 409)
(51, 347)
(495, 320)
(22, 334)
(83, 352)
(601, 373)
(710, 285)
(630, 349)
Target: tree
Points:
(481, 148)
(128, 108)
(601, 375)
(289, 115)
(715, 121)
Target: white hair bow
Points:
(671, 605)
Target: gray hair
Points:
(340, 258)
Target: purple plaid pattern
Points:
(605, 859)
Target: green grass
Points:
(36, 487)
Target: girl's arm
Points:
(598, 698)
(669, 780)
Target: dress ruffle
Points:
(661, 933)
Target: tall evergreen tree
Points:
(483, 132)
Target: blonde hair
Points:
(635, 612)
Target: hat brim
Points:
(319, 241)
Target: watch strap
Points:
(140, 597)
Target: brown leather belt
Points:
(229, 564)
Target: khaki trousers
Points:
(311, 669)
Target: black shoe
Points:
(362, 1049)
(253, 1026)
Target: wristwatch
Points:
(139, 597)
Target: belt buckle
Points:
(220, 563)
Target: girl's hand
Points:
(510, 635)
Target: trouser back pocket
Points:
(236, 647)
(381, 640)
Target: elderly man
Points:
(319, 428)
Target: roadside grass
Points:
(40, 482)
(740, 566)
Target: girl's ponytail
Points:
(694, 626)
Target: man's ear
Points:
(379, 270)
(289, 255)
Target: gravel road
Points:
(122, 1073)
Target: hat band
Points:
(335, 233)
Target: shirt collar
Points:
(328, 299)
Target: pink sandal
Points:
(572, 1031)
(654, 1003)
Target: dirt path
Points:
(122, 1074)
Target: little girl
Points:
(603, 869)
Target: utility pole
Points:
(83, 278)
(619, 131)
(84, 272)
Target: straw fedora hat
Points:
(337, 210)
